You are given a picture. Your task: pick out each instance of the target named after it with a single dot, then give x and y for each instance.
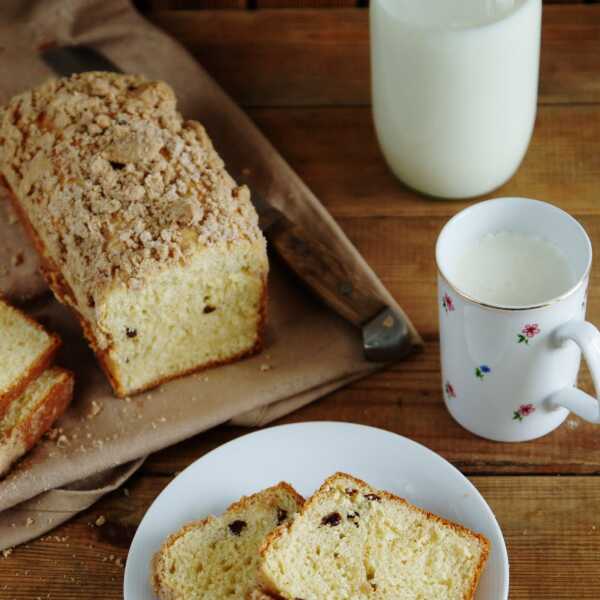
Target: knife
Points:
(386, 335)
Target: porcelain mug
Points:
(509, 373)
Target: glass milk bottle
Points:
(454, 86)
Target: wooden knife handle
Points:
(343, 288)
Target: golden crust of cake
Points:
(354, 487)
(216, 557)
(32, 414)
(114, 179)
(27, 348)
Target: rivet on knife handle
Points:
(343, 287)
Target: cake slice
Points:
(217, 558)
(30, 415)
(26, 349)
(353, 542)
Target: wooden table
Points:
(303, 77)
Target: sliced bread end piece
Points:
(217, 557)
(30, 415)
(26, 349)
(351, 541)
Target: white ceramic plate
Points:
(305, 454)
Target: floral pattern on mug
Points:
(529, 331)
(524, 411)
(481, 371)
(447, 303)
(449, 389)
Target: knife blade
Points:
(68, 60)
(346, 289)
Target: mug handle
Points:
(587, 337)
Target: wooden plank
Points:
(320, 57)
(279, 57)
(336, 153)
(570, 54)
(286, 4)
(407, 399)
(552, 530)
(551, 525)
(154, 5)
(226, 4)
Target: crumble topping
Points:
(116, 183)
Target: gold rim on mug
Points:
(581, 281)
(551, 302)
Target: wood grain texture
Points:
(321, 57)
(314, 63)
(152, 5)
(551, 526)
(283, 4)
(407, 399)
(148, 5)
(335, 151)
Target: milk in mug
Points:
(509, 268)
(454, 86)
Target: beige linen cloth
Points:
(309, 350)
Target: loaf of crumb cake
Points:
(140, 228)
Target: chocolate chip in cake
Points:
(208, 309)
(236, 527)
(332, 519)
(373, 497)
(282, 515)
(117, 166)
(131, 333)
(351, 491)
